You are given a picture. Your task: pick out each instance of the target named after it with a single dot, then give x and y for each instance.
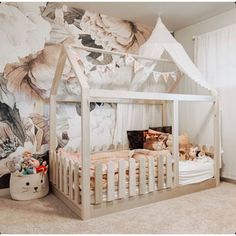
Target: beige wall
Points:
(184, 36)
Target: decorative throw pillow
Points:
(155, 140)
(136, 138)
(163, 129)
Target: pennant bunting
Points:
(137, 66)
(101, 68)
(156, 76)
(129, 59)
(112, 66)
(165, 77)
(173, 75)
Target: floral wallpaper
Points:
(30, 36)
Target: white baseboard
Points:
(4, 192)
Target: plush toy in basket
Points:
(29, 178)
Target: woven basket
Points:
(29, 187)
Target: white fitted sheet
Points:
(196, 171)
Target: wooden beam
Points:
(111, 94)
(164, 113)
(52, 134)
(59, 71)
(76, 67)
(85, 152)
(119, 53)
(175, 126)
(76, 99)
(217, 143)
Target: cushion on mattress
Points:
(136, 138)
(163, 129)
(155, 140)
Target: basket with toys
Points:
(29, 179)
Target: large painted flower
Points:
(31, 78)
(101, 31)
(113, 33)
(21, 33)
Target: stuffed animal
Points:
(201, 154)
(27, 155)
(42, 168)
(193, 153)
(30, 165)
(183, 155)
(183, 141)
(14, 160)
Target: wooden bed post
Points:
(53, 93)
(176, 141)
(85, 133)
(164, 113)
(217, 142)
(85, 152)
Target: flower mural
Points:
(31, 38)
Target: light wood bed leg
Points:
(176, 141)
(164, 113)
(217, 143)
(85, 153)
(53, 136)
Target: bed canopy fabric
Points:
(162, 41)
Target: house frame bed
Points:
(72, 185)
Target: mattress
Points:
(191, 172)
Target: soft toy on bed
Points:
(201, 154)
(193, 153)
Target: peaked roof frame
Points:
(101, 95)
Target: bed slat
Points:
(65, 177)
(60, 170)
(151, 178)
(169, 172)
(98, 183)
(121, 184)
(54, 167)
(160, 172)
(132, 178)
(76, 183)
(57, 169)
(110, 181)
(70, 180)
(142, 176)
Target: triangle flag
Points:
(112, 66)
(129, 59)
(137, 66)
(173, 75)
(101, 68)
(165, 76)
(156, 76)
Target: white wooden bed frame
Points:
(64, 175)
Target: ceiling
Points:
(175, 15)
